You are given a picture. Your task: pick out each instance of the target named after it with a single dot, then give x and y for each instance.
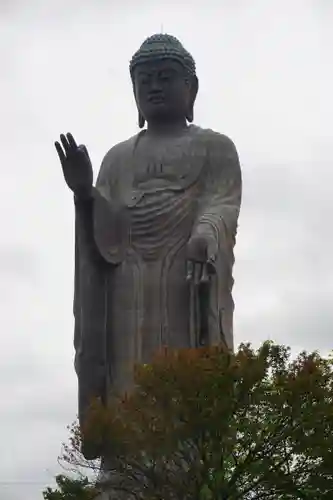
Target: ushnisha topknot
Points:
(163, 46)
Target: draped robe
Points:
(131, 294)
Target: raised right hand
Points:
(76, 166)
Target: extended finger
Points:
(189, 270)
(212, 252)
(65, 143)
(197, 273)
(71, 140)
(211, 266)
(60, 152)
(205, 274)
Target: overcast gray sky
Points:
(266, 80)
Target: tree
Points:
(210, 425)
(71, 489)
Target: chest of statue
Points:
(172, 164)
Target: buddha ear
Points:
(142, 121)
(193, 95)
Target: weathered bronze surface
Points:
(155, 236)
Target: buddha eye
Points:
(144, 79)
(165, 76)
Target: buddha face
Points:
(163, 91)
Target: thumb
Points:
(82, 148)
(212, 250)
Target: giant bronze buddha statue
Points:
(154, 238)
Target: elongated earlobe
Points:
(194, 91)
(142, 121)
(189, 115)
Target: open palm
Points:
(76, 165)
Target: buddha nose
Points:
(155, 85)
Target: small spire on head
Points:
(163, 46)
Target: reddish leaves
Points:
(254, 424)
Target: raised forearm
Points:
(103, 227)
(84, 226)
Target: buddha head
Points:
(164, 81)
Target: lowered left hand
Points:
(201, 253)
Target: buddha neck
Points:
(166, 128)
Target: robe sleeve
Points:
(218, 217)
(93, 223)
(90, 289)
(100, 227)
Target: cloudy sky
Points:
(266, 79)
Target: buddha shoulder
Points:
(216, 142)
(118, 153)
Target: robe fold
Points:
(131, 294)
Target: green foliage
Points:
(210, 425)
(71, 489)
